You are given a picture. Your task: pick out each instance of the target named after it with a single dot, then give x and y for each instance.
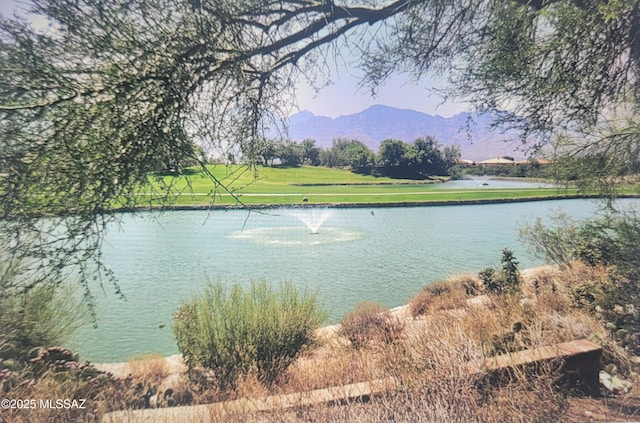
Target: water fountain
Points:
(314, 222)
(313, 219)
(480, 180)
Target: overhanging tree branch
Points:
(90, 107)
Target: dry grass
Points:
(430, 361)
(444, 295)
(436, 386)
(148, 367)
(333, 365)
(370, 323)
(100, 394)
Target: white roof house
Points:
(496, 161)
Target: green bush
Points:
(370, 322)
(505, 281)
(555, 244)
(41, 316)
(611, 242)
(234, 332)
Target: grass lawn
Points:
(320, 185)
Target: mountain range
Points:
(472, 133)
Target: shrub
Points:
(422, 302)
(468, 283)
(370, 322)
(614, 298)
(30, 318)
(236, 332)
(507, 280)
(490, 280)
(556, 244)
(610, 242)
(54, 373)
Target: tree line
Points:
(419, 159)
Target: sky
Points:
(343, 96)
(8, 6)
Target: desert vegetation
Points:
(370, 323)
(256, 342)
(89, 111)
(436, 340)
(425, 352)
(148, 367)
(227, 334)
(34, 367)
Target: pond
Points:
(491, 183)
(384, 255)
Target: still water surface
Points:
(384, 255)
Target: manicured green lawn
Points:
(280, 186)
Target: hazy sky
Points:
(343, 96)
(7, 6)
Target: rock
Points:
(153, 401)
(614, 384)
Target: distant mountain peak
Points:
(304, 113)
(383, 107)
(379, 122)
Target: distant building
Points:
(498, 161)
(465, 162)
(504, 161)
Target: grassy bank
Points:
(230, 185)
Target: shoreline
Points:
(249, 207)
(326, 332)
(174, 361)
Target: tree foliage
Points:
(353, 154)
(547, 67)
(91, 102)
(393, 154)
(43, 317)
(423, 158)
(289, 153)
